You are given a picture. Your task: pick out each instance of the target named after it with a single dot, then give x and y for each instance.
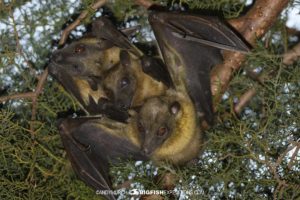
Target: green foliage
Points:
(245, 156)
(229, 8)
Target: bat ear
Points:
(175, 108)
(125, 58)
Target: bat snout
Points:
(57, 57)
(146, 152)
(122, 106)
(52, 69)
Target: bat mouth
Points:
(147, 151)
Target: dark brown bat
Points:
(190, 45)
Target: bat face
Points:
(168, 128)
(121, 81)
(128, 86)
(157, 120)
(87, 57)
(79, 68)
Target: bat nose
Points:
(52, 69)
(56, 57)
(123, 106)
(146, 151)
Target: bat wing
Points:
(155, 68)
(110, 110)
(92, 100)
(190, 45)
(91, 146)
(70, 85)
(105, 29)
(151, 66)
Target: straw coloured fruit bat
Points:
(169, 128)
(80, 66)
(166, 128)
(93, 143)
(194, 42)
(91, 69)
(127, 84)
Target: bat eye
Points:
(79, 48)
(124, 82)
(140, 127)
(162, 131)
(76, 67)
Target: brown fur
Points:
(142, 86)
(183, 142)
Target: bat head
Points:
(120, 82)
(86, 57)
(156, 122)
(80, 66)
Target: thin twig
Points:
(144, 3)
(244, 100)
(81, 17)
(27, 95)
(291, 55)
(255, 76)
(282, 155)
(37, 91)
(30, 95)
(19, 47)
(292, 160)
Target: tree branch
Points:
(244, 100)
(296, 146)
(144, 3)
(38, 90)
(252, 26)
(291, 55)
(26, 95)
(81, 17)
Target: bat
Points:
(82, 67)
(127, 84)
(166, 127)
(191, 45)
(169, 128)
(79, 68)
(162, 130)
(92, 144)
